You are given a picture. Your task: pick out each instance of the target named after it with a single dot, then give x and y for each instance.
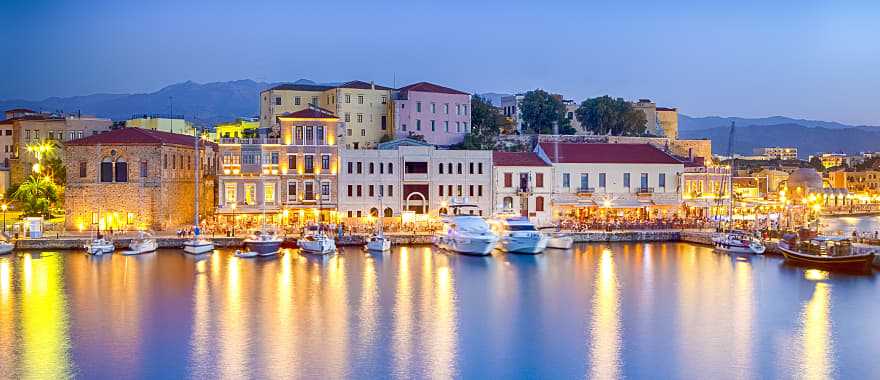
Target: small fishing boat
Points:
(99, 246)
(378, 243)
(144, 243)
(315, 242)
(738, 242)
(6, 247)
(265, 243)
(245, 254)
(559, 240)
(827, 252)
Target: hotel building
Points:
(440, 114)
(777, 153)
(292, 178)
(599, 180)
(412, 179)
(523, 184)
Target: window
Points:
(585, 181)
(508, 202)
(143, 169)
(384, 99)
(479, 168)
(465, 125)
(82, 169)
(415, 167)
(269, 193)
(360, 118)
(299, 135)
(446, 108)
(418, 106)
(121, 171)
(433, 128)
(602, 180)
(381, 168)
(539, 179)
(479, 190)
(291, 190)
(440, 168)
(278, 101)
(370, 190)
(433, 108)
(661, 182)
(360, 167)
(390, 171)
(446, 125)
(643, 181)
(314, 100)
(566, 180)
(458, 127)
(296, 100)
(350, 167)
(440, 190)
(626, 180)
(458, 109)
(403, 127)
(350, 190)
(230, 190)
(359, 189)
(372, 168)
(325, 162)
(390, 190)
(539, 203)
(508, 179)
(310, 163)
(291, 162)
(273, 158)
(319, 135)
(347, 117)
(310, 136)
(348, 99)
(384, 122)
(471, 168)
(459, 168)
(325, 188)
(250, 193)
(470, 190)
(418, 125)
(449, 168)
(360, 99)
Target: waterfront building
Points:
(440, 114)
(511, 107)
(292, 178)
(159, 122)
(413, 179)
(6, 141)
(777, 153)
(523, 185)
(867, 182)
(687, 148)
(365, 109)
(831, 160)
(705, 189)
(136, 179)
(35, 129)
(612, 180)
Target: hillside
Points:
(807, 140)
(689, 123)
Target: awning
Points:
(575, 202)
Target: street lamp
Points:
(232, 205)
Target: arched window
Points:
(508, 203)
(107, 170)
(443, 211)
(374, 212)
(388, 212)
(121, 170)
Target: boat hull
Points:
(6, 248)
(99, 249)
(379, 245)
(145, 246)
(195, 247)
(561, 242)
(860, 262)
(263, 248)
(317, 247)
(530, 245)
(478, 246)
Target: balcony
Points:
(645, 190)
(249, 140)
(585, 191)
(523, 190)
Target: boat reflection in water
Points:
(657, 310)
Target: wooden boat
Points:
(834, 253)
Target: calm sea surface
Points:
(660, 310)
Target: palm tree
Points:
(37, 195)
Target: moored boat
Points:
(466, 234)
(245, 254)
(738, 242)
(198, 245)
(378, 243)
(827, 252)
(6, 247)
(516, 234)
(99, 246)
(144, 243)
(316, 242)
(264, 243)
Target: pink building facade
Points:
(441, 114)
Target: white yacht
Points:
(559, 240)
(198, 245)
(467, 234)
(516, 234)
(99, 246)
(738, 242)
(263, 243)
(378, 243)
(144, 243)
(6, 247)
(316, 242)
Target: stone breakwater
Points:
(697, 237)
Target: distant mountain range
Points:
(211, 103)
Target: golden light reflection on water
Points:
(443, 333)
(7, 320)
(45, 340)
(201, 336)
(816, 343)
(743, 316)
(605, 324)
(234, 323)
(401, 335)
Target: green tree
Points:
(486, 125)
(36, 195)
(605, 115)
(541, 111)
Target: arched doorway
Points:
(388, 212)
(416, 202)
(374, 212)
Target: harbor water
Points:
(636, 310)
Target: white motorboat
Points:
(263, 243)
(245, 254)
(6, 247)
(466, 234)
(516, 234)
(559, 241)
(738, 242)
(100, 246)
(316, 242)
(144, 243)
(378, 243)
(198, 245)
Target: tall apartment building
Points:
(408, 175)
(365, 109)
(440, 114)
(291, 177)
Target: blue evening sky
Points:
(811, 59)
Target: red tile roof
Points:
(31, 117)
(517, 159)
(607, 154)
(310, 113)
(430, 87)
(362, 85)
(20, 110)
(136, 136)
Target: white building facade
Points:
(523, 184)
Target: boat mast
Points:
(196, 212)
